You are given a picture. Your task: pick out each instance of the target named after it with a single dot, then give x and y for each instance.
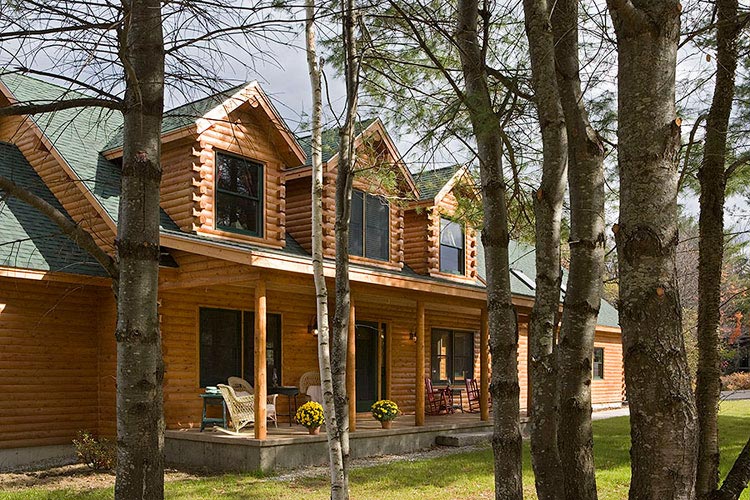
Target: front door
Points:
(366, 363)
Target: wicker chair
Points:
(240, 384)
(241, 408)
(306, 380)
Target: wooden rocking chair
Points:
(241, 408)
(437, 399)
(473, 395)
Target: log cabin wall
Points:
(245, 134)
(22, 132)
(415, 239)
(299, 211)
(179, 183)
(49, 369)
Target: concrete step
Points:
(458, 439)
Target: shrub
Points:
(310, 415)
(97, 453)
(384, 410)
(736, 382)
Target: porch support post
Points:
(484, 367)
(351, 369)
(419, 382)
(260, 359)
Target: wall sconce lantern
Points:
(312, 328)
(413, 336)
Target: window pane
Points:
(451, 260)
(598, 367)
(463, 357)
(235, 212)
(451, 233)
(441, 355)
(220, 345)
(376, 233)
(356, 227)
(273, 349)
(238, 175)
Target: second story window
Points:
(452, 247)
(598, 367)
(368, 230)
(239, 194)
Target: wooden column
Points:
(484, 367)
(260, 359)
(419, 381)
(351, 369)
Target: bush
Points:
(384, 410)
(736, 382)
(310, 415)
(97, 453)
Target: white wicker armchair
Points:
(240, 384)
(306, 380)
(241, 408)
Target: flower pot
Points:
(314, 431)
(386, 424)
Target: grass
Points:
(460, 476)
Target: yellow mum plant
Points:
(310, 415)
(384, 410)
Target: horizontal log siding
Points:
(611, 388)
(299, 211)
(48, 361)
(249, 136)
(415, 240)
(24, 134)
(178, 182)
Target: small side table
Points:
(213, 399)
(290, 392)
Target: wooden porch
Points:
(288, 447)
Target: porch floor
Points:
(287, 447)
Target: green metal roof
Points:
(28, 239)
(522, 259)
(430, 182)
(79, 135)
(330, 141)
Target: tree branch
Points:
(509, 83)
(35, 108)
(76, 233)
(743, 159)
(737, 479)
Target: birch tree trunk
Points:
(584, 287)
(344, 180)
(321, 291)
(506, 439)
(140, 369)
(711, 248)
(663, 424)
(548, 201)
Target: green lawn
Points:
(461, 476)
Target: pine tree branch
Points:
(35, 108)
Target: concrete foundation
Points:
(36, 456)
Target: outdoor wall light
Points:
(413, 336)
(312, 328)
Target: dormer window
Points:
(368, 230)
(239, 194)
(452, 247)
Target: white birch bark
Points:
(338, 489)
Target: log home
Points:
(235, 237)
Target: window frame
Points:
(461, 251)
(260, 217)
(246, 343)
(594, 376)
(382, 200)
(451, 355)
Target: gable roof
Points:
(29, 240)
(431, 182)
(522, 259)
(78, 135)
(330, 140)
